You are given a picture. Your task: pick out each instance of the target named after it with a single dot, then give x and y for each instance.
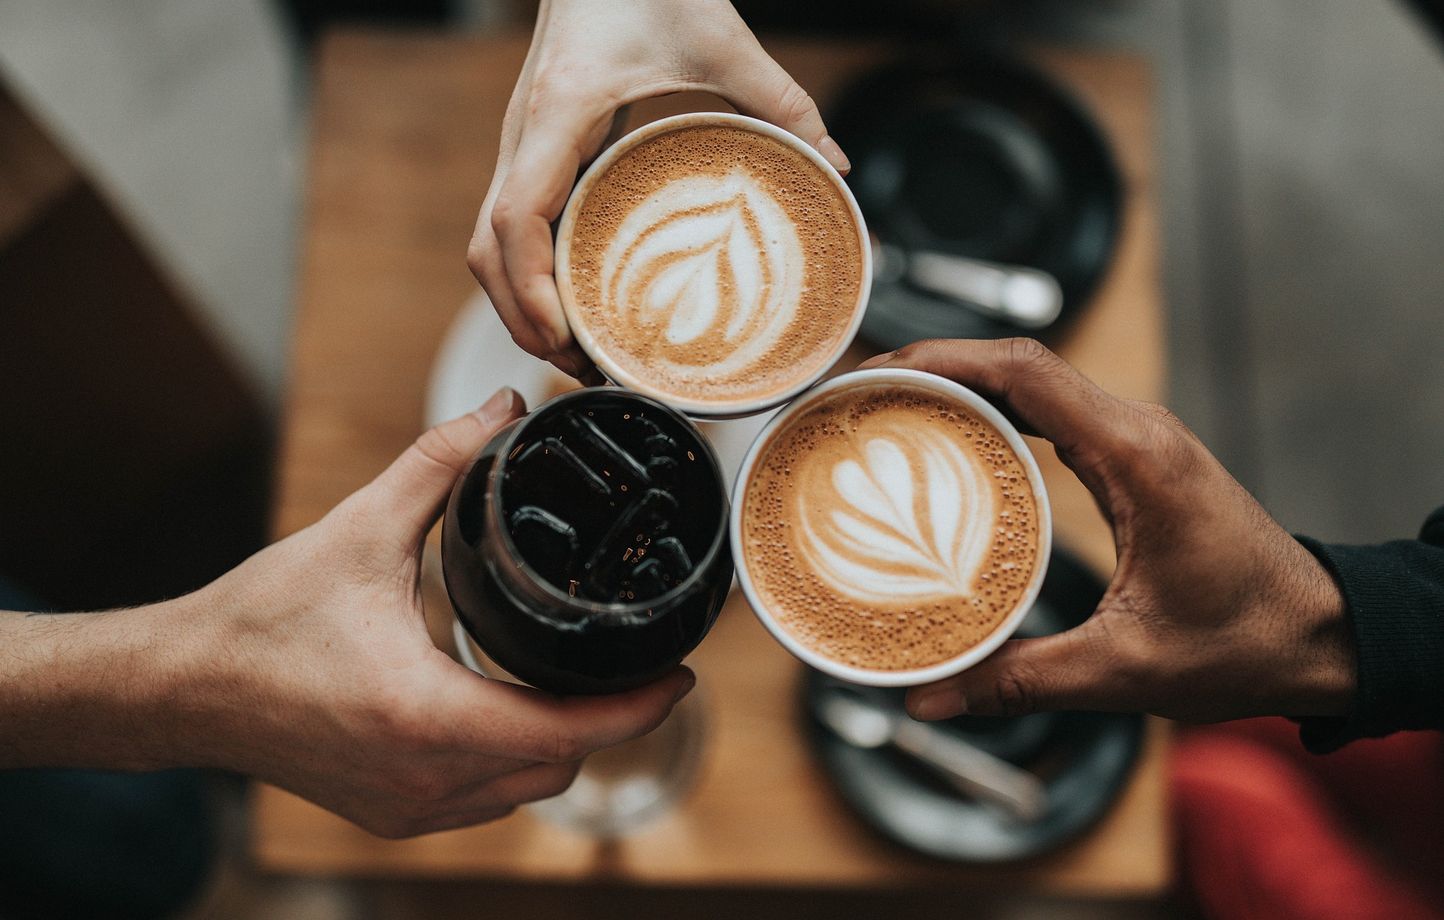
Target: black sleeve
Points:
(1395, 598)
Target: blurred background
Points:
(1300, 151)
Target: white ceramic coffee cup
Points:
(954, 392)
(701, 408)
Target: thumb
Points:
(409, 494)
(756, 85)
(1023, 676)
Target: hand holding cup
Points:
(589, 59)
(1214, 611)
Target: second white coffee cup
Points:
(883, 381)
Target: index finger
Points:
(1038, 388)
(523, 723)
(531, 199)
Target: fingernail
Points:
(685, 687)
(834, 155)
(570, 364)
(583, 363)
(561, 342)
(941, 704)
(498, 406)
(878, 359)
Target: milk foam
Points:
(908, 517)
(708, 260)
(714, 263)
(889, 527)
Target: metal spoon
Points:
(863, 724)
(1026, 297)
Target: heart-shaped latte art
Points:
(708, 271)
(910, 517)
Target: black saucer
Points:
(1083, 758)
(983, 157)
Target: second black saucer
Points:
(983, 157)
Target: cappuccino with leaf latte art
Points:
(712, 262)
(888, 527)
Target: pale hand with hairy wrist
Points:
(309, 666)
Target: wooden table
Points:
(404, 134)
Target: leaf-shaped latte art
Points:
(707, 270)
(910, 516)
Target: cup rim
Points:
(614, 613)
(701, 408)
(933, 672)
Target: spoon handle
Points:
(1027, 297)
(974, 770)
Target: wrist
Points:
(177, 697)
(90, 689)
(1323, 678)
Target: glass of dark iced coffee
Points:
(585, 551)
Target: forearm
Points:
(99, 690)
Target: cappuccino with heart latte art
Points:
(713, 262)
(889, 526)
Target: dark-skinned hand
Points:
(1214, 611)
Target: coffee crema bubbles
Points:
(889, 528)
(715, 264)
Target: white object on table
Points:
(478, 357)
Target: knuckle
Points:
(553, 82)
(1163, 417)
(921, 353)
(1026, 354)
(564, 746)
(1163, 413)
(504, 214)
(439, 446)
(794, 104)
(535, 307)
(406, 727)
(527, 341)
(1121, 646)
(391, 716)
(390, 827)
(1013, 695)
(480, 253)
(541, 95)
(1158, 447)
(555, 783)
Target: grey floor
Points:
(1302, 165)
